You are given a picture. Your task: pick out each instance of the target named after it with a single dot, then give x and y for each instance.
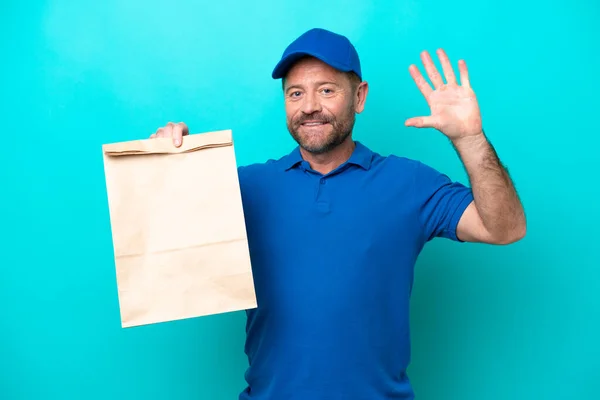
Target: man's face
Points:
(320, 104)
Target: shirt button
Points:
(322, 181)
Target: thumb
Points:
(420, 122)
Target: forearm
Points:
(496, 199)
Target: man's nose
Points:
(311, 104)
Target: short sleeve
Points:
(441, 202)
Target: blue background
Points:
(516, 322)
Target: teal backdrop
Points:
(488, 322)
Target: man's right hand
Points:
(172, 130)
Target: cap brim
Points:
(283, 66)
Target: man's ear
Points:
(361, 96)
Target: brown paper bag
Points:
(178, 228)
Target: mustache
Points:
(320, 117)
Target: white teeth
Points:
(313, 123)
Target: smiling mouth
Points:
(313, 123)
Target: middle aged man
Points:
(335, 229)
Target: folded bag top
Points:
(165, 145)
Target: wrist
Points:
(470, 141)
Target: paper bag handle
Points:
(190, 143)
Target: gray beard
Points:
(341, 131)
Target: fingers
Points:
(446, 67)
(464, 73)
(179, 130)
(421, 122)
(432, 72)
(420, 81)
(168, 130)
(449, 75)
(173, 131)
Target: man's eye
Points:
(327, 91)
(295, 94)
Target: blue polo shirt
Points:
(333, 258)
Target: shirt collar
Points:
(361, 156)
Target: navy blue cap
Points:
(329, 47)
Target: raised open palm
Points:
(454, 108)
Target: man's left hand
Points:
(454, 108)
